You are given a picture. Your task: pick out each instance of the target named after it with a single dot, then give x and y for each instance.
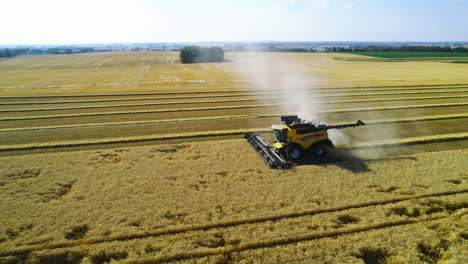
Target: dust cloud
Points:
(280, 75)
(285, 76)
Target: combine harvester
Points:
(292, 139)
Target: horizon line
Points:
(237, 41)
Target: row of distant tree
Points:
(276, 49)
(196, 54)
(368, 49)
(397, 49)
(32, 51)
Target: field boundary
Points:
(233, 223)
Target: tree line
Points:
(397, 49)
(5, 53)
(276, 49)
(196, 54)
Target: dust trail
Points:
(281, 73)
(366, 133)
(338, 137)
(297, 81)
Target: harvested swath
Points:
(416, 119)
(227, 101)
(163, 121)
(410, 141)
(58, 144)
(221, 112)
(226, 108)
(234, 223)
(343, 89)
(160, 121)
(77, 143)
(361, 134)
(330, 118)
(326, 94)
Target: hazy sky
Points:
(101, 21)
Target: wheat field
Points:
(132, 157)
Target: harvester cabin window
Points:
(280, 135)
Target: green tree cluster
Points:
(196, 54)
(4, 53)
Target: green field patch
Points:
(412, 54)
(462, 62)
(458, 57)
(365, 59)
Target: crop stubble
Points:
(151, 201)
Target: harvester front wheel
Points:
(294, 151)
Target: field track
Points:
(357, 88)
(368, 122)
(34, 115)
(229, 101)
(80, 143)
(234, 223)
(257, 96)
(227, 108)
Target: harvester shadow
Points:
(342, 158)
(345, 159)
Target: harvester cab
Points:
(292, 139)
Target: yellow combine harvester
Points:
(292, 139)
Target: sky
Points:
(131, 21)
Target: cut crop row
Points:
(249, 94)
(182, 120)
(99, 136)
(361, 88)
(223, 102)
(265, 112)
(291, 105)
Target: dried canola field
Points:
(136, 158)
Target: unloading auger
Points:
(292, 139)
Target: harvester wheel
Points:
(294, 151)
(319, 150)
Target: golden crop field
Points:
(133, 157)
